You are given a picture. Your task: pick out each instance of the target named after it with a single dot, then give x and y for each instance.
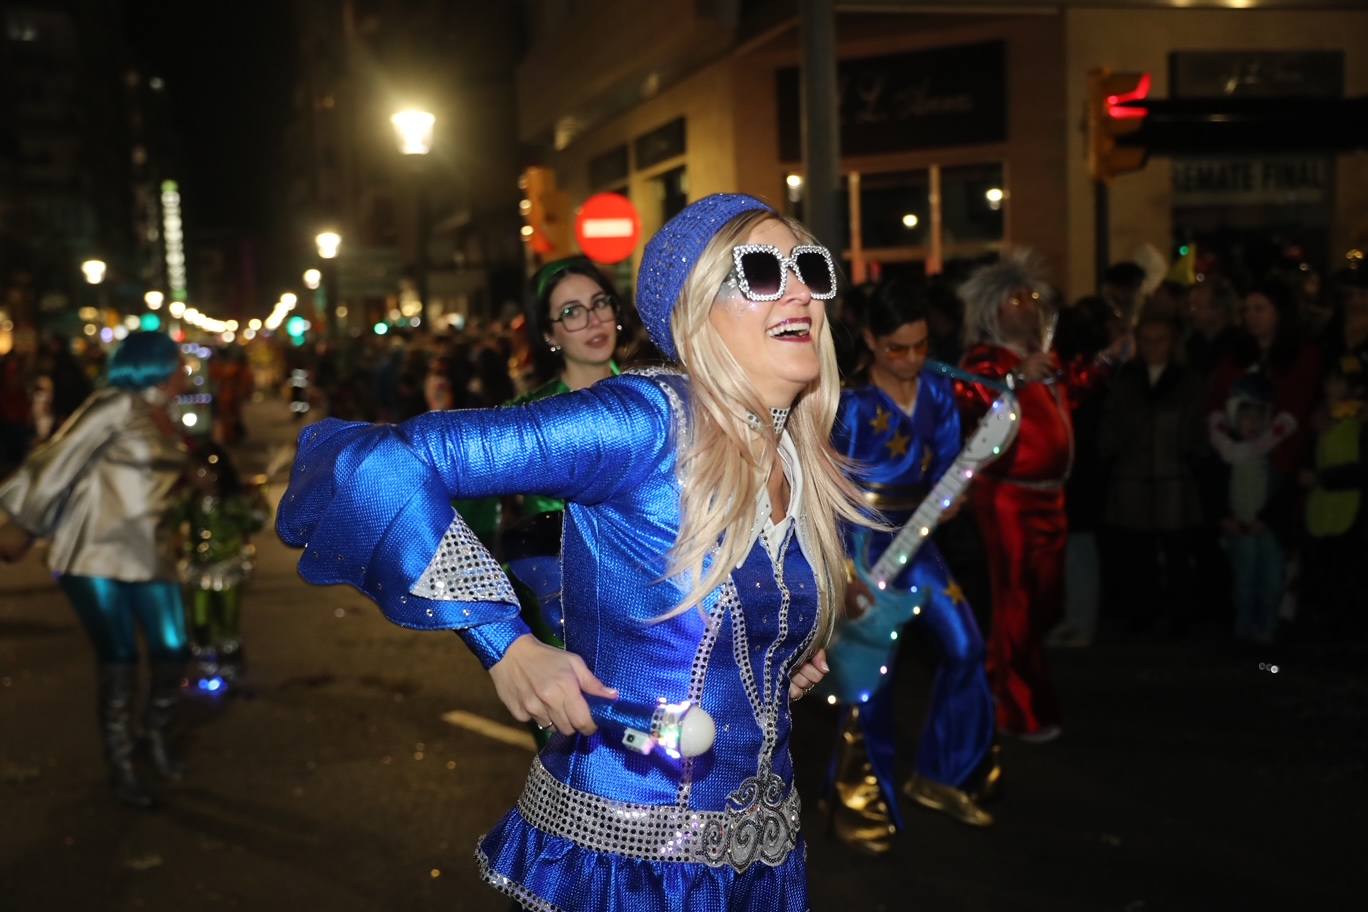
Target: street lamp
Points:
(94, 271)
(312, 279)
(414, 131)
(153, 300)
(328, 243)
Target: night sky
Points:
(229, 74)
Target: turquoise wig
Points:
(143, 360)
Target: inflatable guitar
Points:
(863, 648)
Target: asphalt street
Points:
(359, 764)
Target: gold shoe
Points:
(990, 787)
(859, 816)
(955, 802)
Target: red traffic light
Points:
(1117, 104)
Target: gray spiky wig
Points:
(989, 286)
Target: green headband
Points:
(549, 272)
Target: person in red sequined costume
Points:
(1019, 499)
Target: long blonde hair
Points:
(724, 461)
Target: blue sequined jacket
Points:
(597, 827)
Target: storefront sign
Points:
(1250, 181)
(919, 100)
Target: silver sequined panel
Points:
(463, 571)
(760, 823)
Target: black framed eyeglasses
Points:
(574, 317)
(761, 271)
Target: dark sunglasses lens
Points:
(763, 273)
(816, 273)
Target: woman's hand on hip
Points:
(547, 685)
(808, 674)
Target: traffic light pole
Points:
(821, 123)
(1101, 230)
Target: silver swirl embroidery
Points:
(760, 823)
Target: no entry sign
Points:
(608, 228)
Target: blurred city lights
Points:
(910, 220)
(94, 271)
(189, 419)
(794, 181)
(414, 130)
(132, 322)
(312, 279)
(994, 194)
(89, 314)
(289, 299)
(153, 300)
(176, 309)
(328, 243)
(254, 324)
(150, 322)
(173, 236)
(380, 328)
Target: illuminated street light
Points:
(910, 220)
(794, 181)
(94, 271)
(177, 309)
(414, 130)
(328, 243)
(994, 194)
(289, 299)
(312, 279)
(253, 324)
(153, 300)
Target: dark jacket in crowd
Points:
(1151, 439)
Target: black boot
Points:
(116, 730)
(161, 711)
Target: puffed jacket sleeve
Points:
(371, 504)
(35, 494)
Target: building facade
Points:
(961, 132)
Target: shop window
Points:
(972, 203)
(895, 209)
(795, 197)
(608, 168)
(672, 191)
(661, 144)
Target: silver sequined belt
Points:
(760, 822)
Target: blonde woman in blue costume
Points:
(702, 561)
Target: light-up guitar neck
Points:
(863, 648)
(991, 439)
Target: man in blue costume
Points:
(901, 428)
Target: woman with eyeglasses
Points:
(901, 428)
(702, 562)
(573, 309)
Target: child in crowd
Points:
(218, 517)
(1244, 436)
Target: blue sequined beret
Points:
(670, 257)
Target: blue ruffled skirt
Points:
(550, 874)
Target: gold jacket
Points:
(101, 489)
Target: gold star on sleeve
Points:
(954, 593)
(898, 445)
(880, 420)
